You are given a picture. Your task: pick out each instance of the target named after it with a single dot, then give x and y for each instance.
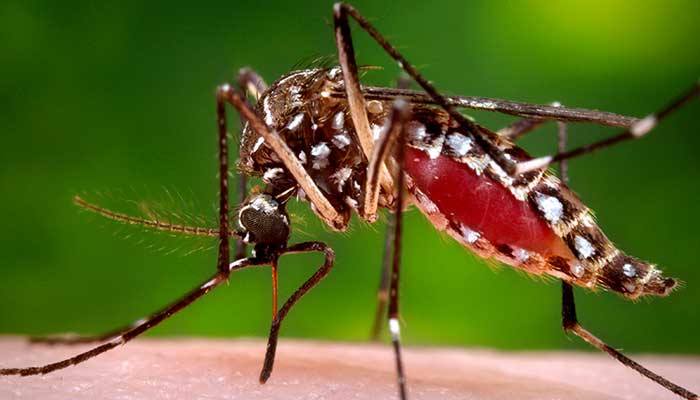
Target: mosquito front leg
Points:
(139, 328)
(301, 291)
(636, 131)
(226, 93)
(568, 305)
(250, 83)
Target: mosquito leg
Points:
(250, 83)
(344, 41)
(637, 131)
(301, 291)
(134, 331)
(393, 314)
(397, 120)
(223, 257)
(356, 103)
(516, 108)
(523, 126)
(568, 306)
(383, 290)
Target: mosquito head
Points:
(264, 221)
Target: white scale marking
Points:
(295, 122)
(210, 283)
(584, 247)
(341, 176)
(258, 143)
(338, 121)
(320, 153)
(341, 140)
(394, 328)
(551, 207)
(629, 270)
(576, 269)
(271, 174)
(469, 235)
(459, 144)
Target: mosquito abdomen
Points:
(535, 222)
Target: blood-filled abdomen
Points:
(481, 204)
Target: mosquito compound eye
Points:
(264, 220)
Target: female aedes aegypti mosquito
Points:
(318, 135)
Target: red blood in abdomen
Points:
(479, 203)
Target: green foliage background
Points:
(108, 97)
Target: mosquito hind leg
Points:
(636, 131)
(568, 306)
(321, 273)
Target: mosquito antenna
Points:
(128, 219)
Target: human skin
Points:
(193, 368)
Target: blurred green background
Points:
(114, 97)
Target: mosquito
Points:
(320, 136)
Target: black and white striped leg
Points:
(568, 306)
(393, 314)
(638, 130)
(137, 329)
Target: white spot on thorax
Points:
(267, 111)
(550, 206)
(320, 153)
(258, 143)
(341, 176)
(351, 202)
(377, 131)
(271, 174)
(341, 140)
(338, 120)
(459, 144)
(295, 122)
(583, 247)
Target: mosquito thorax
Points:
(309, 111)
(264, 221)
